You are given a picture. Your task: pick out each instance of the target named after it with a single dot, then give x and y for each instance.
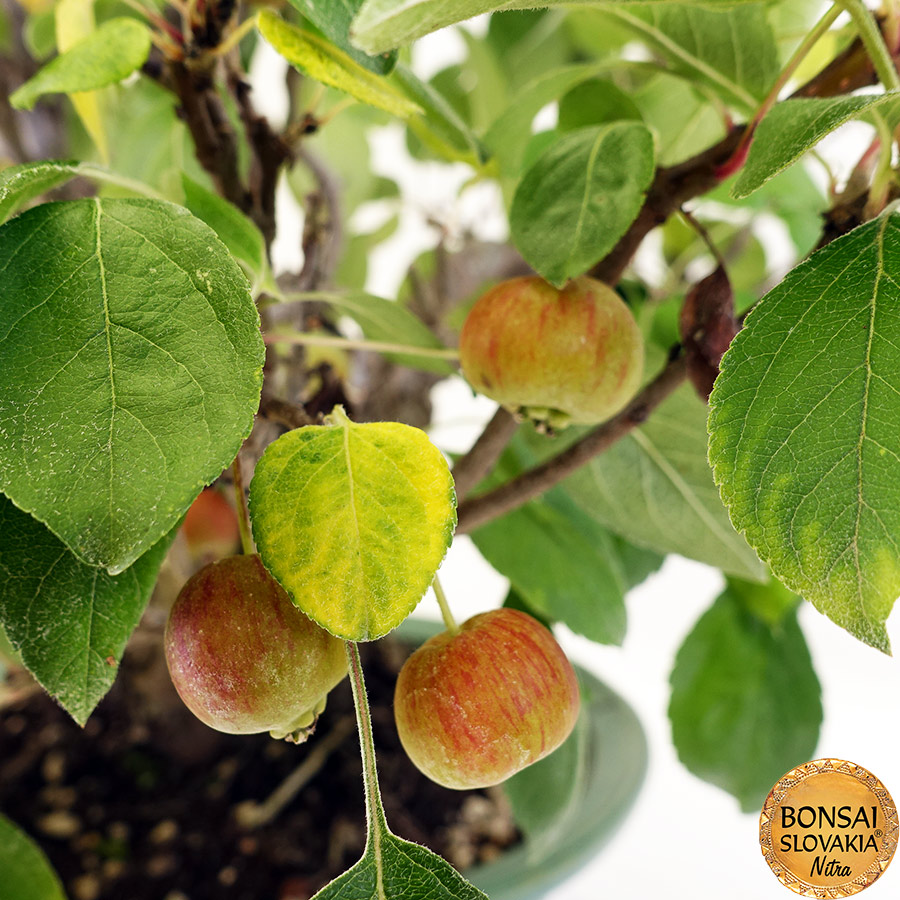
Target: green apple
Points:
(570, 356)
(243, 658)
(475, 707)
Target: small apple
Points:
(475, 707)
(243, 658)
(570, 356)
(210, 527)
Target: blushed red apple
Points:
(473, 708)
(570, 356)
(243, 658)
(210, 527)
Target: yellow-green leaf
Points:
(328, 64)
(354, 521)
(75, 21)
(105, 57)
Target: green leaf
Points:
(112, 52)
(595, 102)
(68, 621)
(546, 795)
(731, 50)
(394, 869)
(329, 65)
(333, 17)
(27, 874)
(793, 127)
(580, 196)
(387, 321)
(439, 126)
(655, 488)
(130, 369)
(745, 704)
(235, 230)
(803, 436)
(562, 563)
(683, 120)
(19, 184)
(384, 24)
(354, 521)
(509, 133)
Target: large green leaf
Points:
(803, 429)
(745, 703)
(384, 24)
(106, 56)
(333, 17)
(27, 874)
(354, 521)
(793, 127)
(655, 488)
(330, 65)
(130, 369)
(580, 196)
(394, 869)
(68, 621)
(731, 50)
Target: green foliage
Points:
(803, 440)
(149, 384)
(793, 127)
(654, 487)
(384, 24)
(330, 65)
(106, 56)
(394, 869)
(333, 17)
(68, 621)
(439, 126)
(745, 703)
(242, 238)
(19, 184)
(354, 521)
(732, 51)
(388, 321)
(562, 563)
(547, 795)
(27, 874)
(580, 196)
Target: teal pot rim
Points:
(615, 766)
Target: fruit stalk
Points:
(243, 512)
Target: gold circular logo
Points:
(828, 829)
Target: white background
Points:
(683, 838)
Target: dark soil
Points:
(140, 804)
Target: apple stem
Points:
(243, 512)
(449, 621)
(375, 818)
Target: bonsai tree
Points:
(155, 361)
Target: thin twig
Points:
(252, 815)
(484, 453)
(482, 509)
